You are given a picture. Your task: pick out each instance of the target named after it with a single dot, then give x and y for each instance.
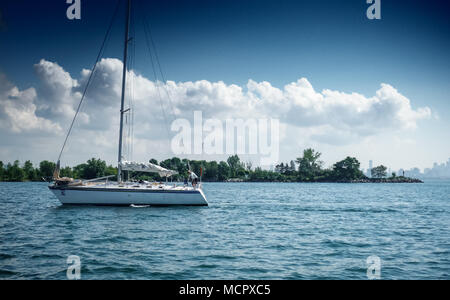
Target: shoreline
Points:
(240, 180)
(364, 180)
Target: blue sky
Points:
(331, 43)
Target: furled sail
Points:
(147, 168)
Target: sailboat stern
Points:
(203, 198)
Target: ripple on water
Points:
(250, 231)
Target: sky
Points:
(337, 81)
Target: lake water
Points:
(249, 231)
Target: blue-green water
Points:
(250, 231)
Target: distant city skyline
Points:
(438, 170)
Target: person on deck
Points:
(193, 178)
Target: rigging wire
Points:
(158, 62)
(90, 79)
(157, 82)
(132, 88)
(152, 49)
(128, 91)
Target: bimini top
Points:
(147, 168)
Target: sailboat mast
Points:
(124, 79)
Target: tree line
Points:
(306, 168)
(15, 172)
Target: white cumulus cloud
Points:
(327, 117)
(18, 110)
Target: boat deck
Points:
(129, 187)
(144, 186)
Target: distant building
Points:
(437, 171)
(369, 170)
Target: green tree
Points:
(30, 171)
(260, 175)
(6, 175)
(347, 169)
(248, 166)
(211, 172)
(66, 172)
(280, 168)
(183, 168)
(309, 165)
(110, 170)
(2, 171)
(196, 166)
(241, 172)
(78, 171)
(237, 169)
(233, 162)
(379, 172)
(46, 169)
(94, 168)
(224, 171)
(173, 163)
(15, 172)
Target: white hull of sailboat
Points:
(129, 196)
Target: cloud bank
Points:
(18, 110)
(328, 116)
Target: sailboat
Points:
(103, 192)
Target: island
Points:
(306, 168)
